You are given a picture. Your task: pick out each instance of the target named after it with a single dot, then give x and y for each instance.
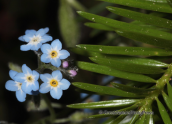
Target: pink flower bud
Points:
(65, 64)
(73, 73)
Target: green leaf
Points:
(137, 61)
(141, 120)
(167, 100)
(99, 7)
(116, 121)
(69, 29)
(144, 38)
(149, 19)
(14, 67)
(149, 35)
(142, 51)
(128, 67)
(132, 89)
(109, 120)
(76, 5)
(149, 5)
(109, 71)
(85, 52)
(163, 112)
(169, 89)
(158, 1)
(113, 114)
(105, 104)
(99, 26)
(169, 2)
(104, 90)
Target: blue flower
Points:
(29, 79)
(53, 83)
(53, 53)
(34, 39)
(13, 85)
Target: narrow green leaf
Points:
(137, 60)
(143, 51)
(169, 89)
(117, 120)
(167, 100)
(105, 104)
(76, 5)
(113, 114)
(109, 120)
(69, 29)
(141, 120)
(152, 36)
(104, 90)
(149, 5)
(128, 67)
(169, 2)
(163, 112)
(99, 7)
(85, 52)
(109, 71)
(99, 26)
(132, 89)
(149, 19)
(158, 1)
(143, 38)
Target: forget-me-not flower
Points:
(53, 53)
(34, 39)
(13, 85)
(29, 79)
(53, 83)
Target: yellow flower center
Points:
(53, 54)
(29, 79)
(54, 83)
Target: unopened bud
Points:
(73, 73)
(65, 64)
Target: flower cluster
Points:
(26, 82)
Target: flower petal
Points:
(19, 77)
(21, 38)
(12, 73)
(41, 32)
(36, 47)
(36, 75)
(26, 88)
(44, 88)
(46, 38)
(27, 37)
(57, 75)
(64, 84)
(30, 31)
(63, 54)
(45, 58)
(56, 62)
(26, 69)
(21, 96)
(45, 48)
(11, 85)
(35, 86)
(45, 77)
(46, 29)
(25, 47)
(56, 44)
(56, 93)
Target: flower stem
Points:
(52, 112)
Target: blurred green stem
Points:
(52, 112)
